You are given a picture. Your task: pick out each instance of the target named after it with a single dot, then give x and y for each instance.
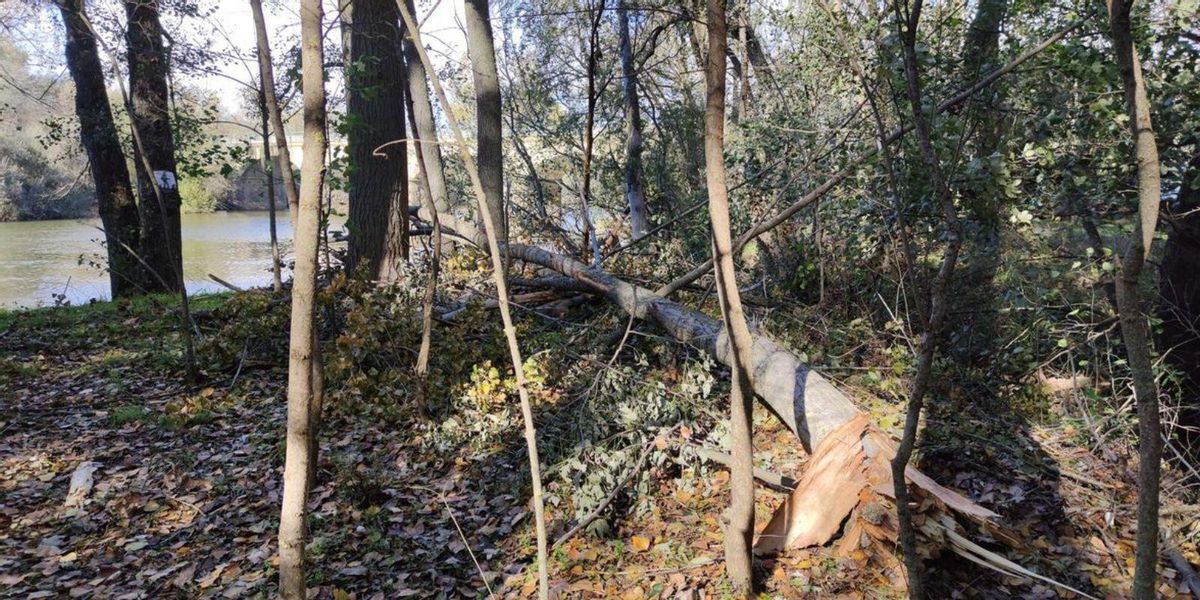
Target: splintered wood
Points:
(849, 472)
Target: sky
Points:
(229, 30)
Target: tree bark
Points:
(1179, 287)
(98, 134)
(976, 293)
(635, 193)
(266, 72)
(378, 173)
(303, 359)
(269, 171)
(426, 131)
(739, 532)
(488, 115)
(510, 332)
(595, 14)
(1134, 325)
(906, 25)
(150, 117)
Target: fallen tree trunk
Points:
(803, 400)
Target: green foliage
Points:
(202, 195)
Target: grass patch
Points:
(126, 414)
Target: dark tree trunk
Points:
(378, 174)
(150, 115)
(482, 50)
(98, 133)
(906, 26)
(1179, 285)
(634, 192)
(976, 293)
(269, 171)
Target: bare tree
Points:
(739, 532)
(98, 133)
(907, 18)
(304, 372)
(510, 332)
(1134, 325)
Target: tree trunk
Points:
(739, 532)
(303, 367)
(634, 192)
(595, 13)
(98, 134)
(482, 51)
(906, 25)
(378, 173)
(1134, 326)
(159, 199)
(976, 293)
(269, 171)
(426, 131)
(267, 74)
(1179, 287)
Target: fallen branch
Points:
(771, 479)
(225, 283)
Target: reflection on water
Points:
(41, 258)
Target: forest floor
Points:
(186, 481)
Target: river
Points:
(39, 259)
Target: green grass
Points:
(126, 414)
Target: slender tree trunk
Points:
(150, 118)
(595, 13)
(739, 532)
(906, 25)
(269, 171)
(284, 158)
(488, 115)
(267, 74)
(303, 368)
(98, 134)
(635, 193)
(510, 332)
(378, 173)
(422, 366)
(426, 130)
(1134, 326)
